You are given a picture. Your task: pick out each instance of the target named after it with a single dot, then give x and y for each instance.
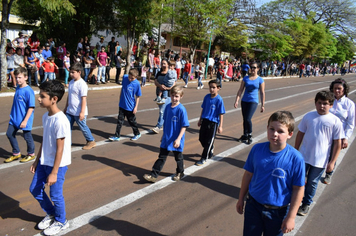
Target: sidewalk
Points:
(113, 85)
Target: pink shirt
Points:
(102, 58)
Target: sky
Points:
(261, 2)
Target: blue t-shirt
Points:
(212, 108)
(251, 89)
(46, 54)
(245, 67)
(128, 92)
(174, 119)
(24, 99)
(274, 174)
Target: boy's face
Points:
(171, 67)
(44, 100)
(277, 134)
(322, 107)
(131, 78)
(21, 80)
(214, 89)
(75, 74)
(175, 98)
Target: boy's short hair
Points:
(21, 70)
(53, 88)
(50, 58)
(77, 67)
(102, 47)
(325, 96)
(284, 117)
(214, 81)
(172, 63)
(343, 83)
(133, 72)
(177, 90)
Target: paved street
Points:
(106, 194)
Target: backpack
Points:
(93, 80)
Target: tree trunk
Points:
(6, 6)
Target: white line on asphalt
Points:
(185, 104)
(103, 142)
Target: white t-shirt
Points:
(211, 61)
(76, 90)
(319, 133)
(344, 109)
(178, 65)
(55, 127)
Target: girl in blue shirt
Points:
(251, 84)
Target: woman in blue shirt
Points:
(251, 83)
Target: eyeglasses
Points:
(254, 68)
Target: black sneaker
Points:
(249, 139)
(303, 209)
(242, 138)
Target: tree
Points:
(194, 21)
(339, 16)
(48, 5)
(345, 50)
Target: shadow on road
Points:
(122, 227)
(10, 208)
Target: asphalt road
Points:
(106, 194)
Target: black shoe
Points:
(242, 138)
(303, 209)
(249, 139)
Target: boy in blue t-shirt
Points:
(129, 98)
(211, 120)
(273, 181)
(175, 123)
(21, 117)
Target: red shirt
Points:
(188, 68)
(49, 66)
(302, 66)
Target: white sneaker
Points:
(185, 86)
(198, 87)
(56, 227)
(46, 222)
(155, 130)
(202, 86)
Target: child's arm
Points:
(220, 128)
(239, 93)
(176, 143)
(200, 120)
(245, 182)
(55, 65)
(136, 106)
(335, 154)
(34, 165)
(297, 196)
(52, 178)
(298, 140)
(82, 109)
(28, 114)
(66, 106)
(262, 96)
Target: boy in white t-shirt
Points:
(320, 132)
(76, 107)
(52, 160)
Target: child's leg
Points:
(158, 165)
(165, 94)
(143, 81)
(313, 177)
(179, 159)
(56, 193)
(66, 76)
(131, 118)
(120, 121)
(37, 189)
(206, 137)
(253, 222)
(45, 77)
(29, 140)
(11, 135)
(84, 128)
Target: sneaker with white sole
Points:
(201, 162)
(114, 138)
(46, 222)
(56, 227)
(161, 102)
(303, 209)
(136, 137)
(178, 176)
(185, 86)
(327, 179)
(150, 178)
(201, 87)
